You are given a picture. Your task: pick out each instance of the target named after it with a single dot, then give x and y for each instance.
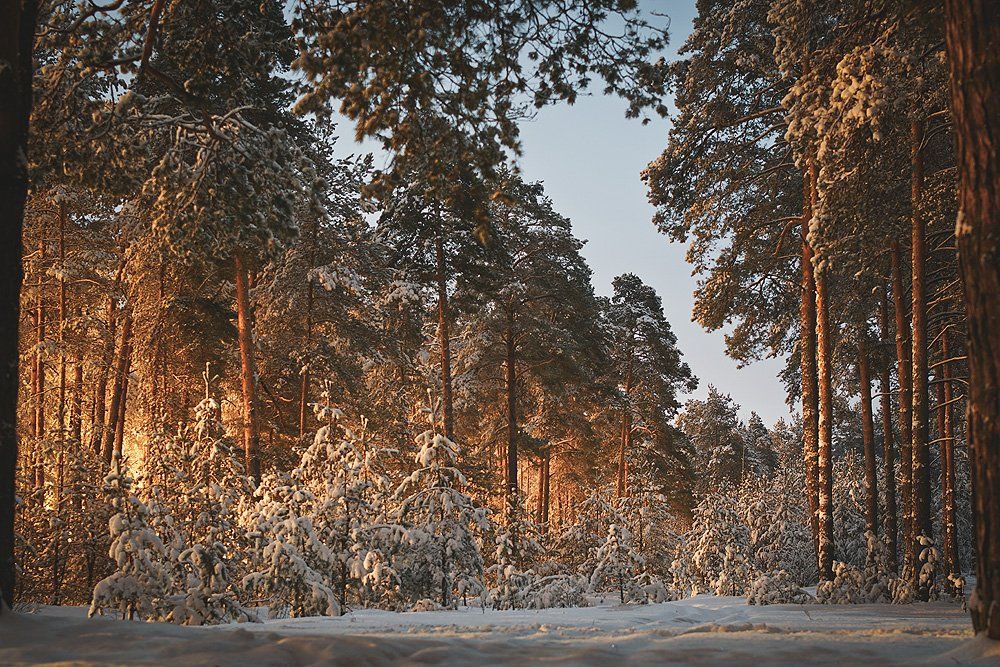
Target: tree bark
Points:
(17, 30)
(248, 366)
(121, 375)
(922, 526)
(444, 336)
(626, 431)
(310, 296)
(868, 436)
(511, 380)
(888, 455)
(972, 35)
(905, 403)
(807, 358)
(824, 368)
(946, 432)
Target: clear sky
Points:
(589, 157)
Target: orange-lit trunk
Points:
(888, 455)
(922, 525)
(807, 360)
(903, 374)
(251, 436)
(868, 436)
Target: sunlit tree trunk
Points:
(868, 436)
(888, 455)
(920, 450)
(310, 296)
(444, 335)
(807, 359)
(248, 366)
(118, 390)
(905, 402)
(972, 30)
(625, 442)
(946, 433)
(824, 368)
(510, 368)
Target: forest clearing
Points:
(357, 330)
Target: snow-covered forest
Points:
(250, 377)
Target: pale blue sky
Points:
(589, 156)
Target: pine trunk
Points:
(17, 30)
(511, 381)
(888, 455)
(946, 433)
(807, 358)
(905, 403)
(121, 375)
(625, 442)
(310, 296)
(824, 369)
(248, 367)
(444, 336)
(868, 436)
(972, 31)
(922, 526)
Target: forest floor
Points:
(697, 631)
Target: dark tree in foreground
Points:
(972, 32)
(17, 18)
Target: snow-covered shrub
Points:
(294, 565)
(558, 590)
(517, 546)
(576, 545)
(717, 547)
(339, 469)
(143, 575)
(777, 515)
(846, 587)
(618, 566)
(849, 511)
(778, 587)
(441, 527)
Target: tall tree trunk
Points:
(625, 443)
(824, 368)
(807, 358)
(248, 366)
(905, 403)
(546, 489)
(511, 380)
(76, 409)
(922, 526)
(972, 31)
(39, 428)
(310, 296)
(17, 31)
(444, 336)
(868, 436)
(61, 408)
(122, 403)
(121, 375)
(946, 433)
(888, 455)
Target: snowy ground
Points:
(701, 630)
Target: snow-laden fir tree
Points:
(518, 547)
(442, 527)
(618, 566)
(293, 567)
(340, 469)
(143, 574)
